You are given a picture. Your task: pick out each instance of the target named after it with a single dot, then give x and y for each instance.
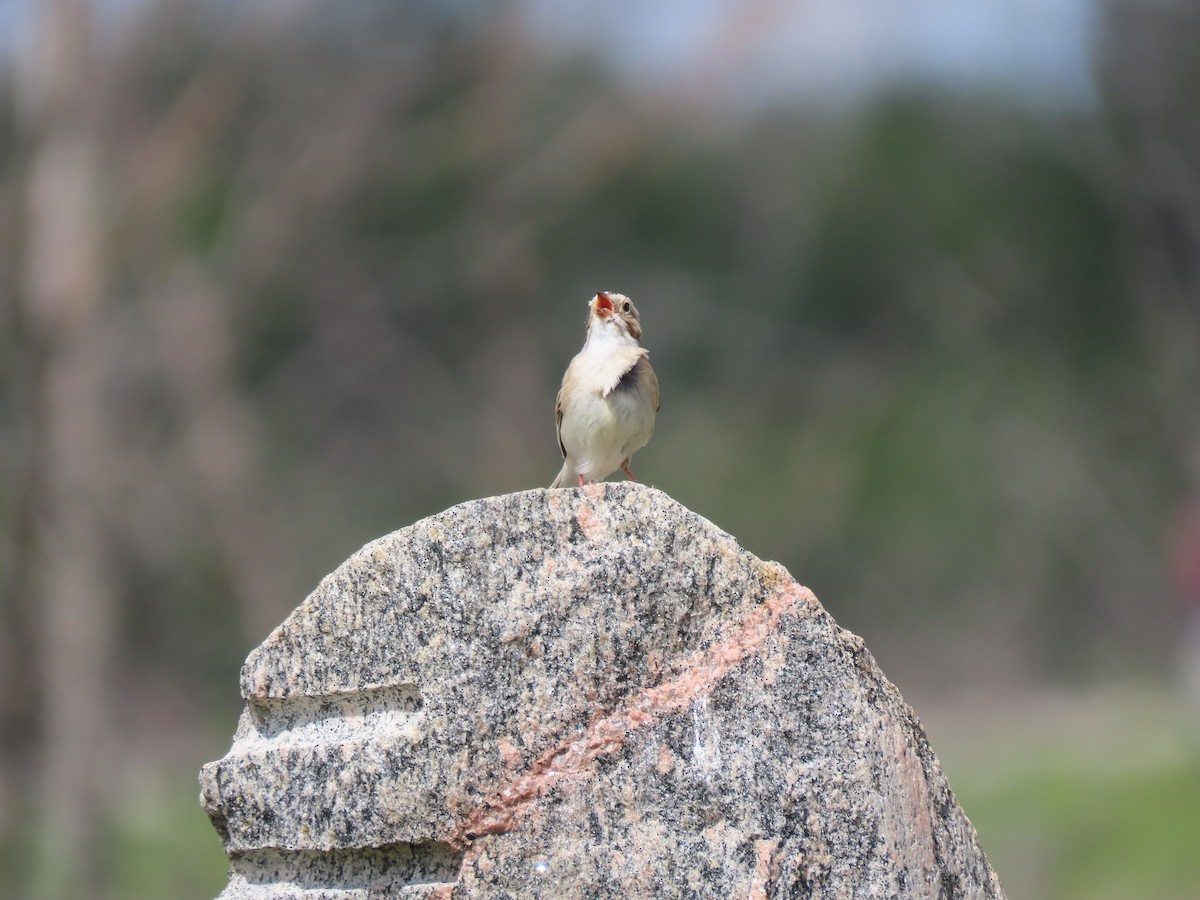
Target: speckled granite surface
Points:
(578, 693)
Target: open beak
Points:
(603, 305)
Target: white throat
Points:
(607, 334)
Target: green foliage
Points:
(200, 211)
(912, 352)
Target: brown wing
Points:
(654, 385)
(558, 422)
(642, 375)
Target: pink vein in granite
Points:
(573, 758)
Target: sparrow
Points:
(609, 396)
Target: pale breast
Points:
(602, 432)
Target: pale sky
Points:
(823, 51)
(836, 49)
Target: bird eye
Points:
(626, 306)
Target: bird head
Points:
(616, 310)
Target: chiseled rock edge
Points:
(578, 693)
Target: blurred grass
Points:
(164, 845)
(1087, 796)
(158, 843)
(1058, 831)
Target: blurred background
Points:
(921, 282)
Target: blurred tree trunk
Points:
(1150, 56)
(73, 587)
(220, 445)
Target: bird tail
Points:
(566, 476)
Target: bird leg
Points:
(625, 469)
(581, 479)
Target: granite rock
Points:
(578, 693)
